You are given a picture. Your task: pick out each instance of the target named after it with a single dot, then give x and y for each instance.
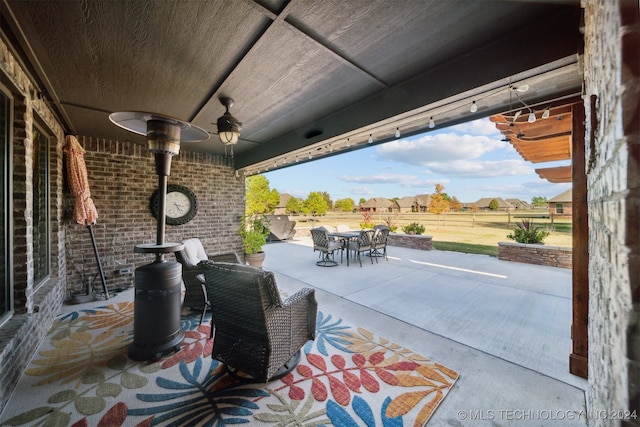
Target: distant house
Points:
(561, 205)
(519, 204)
(406, 204)
(281, 209)
(378, 204)
(503, 205)
(422, 202)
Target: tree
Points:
(345, 205)
(293, 206)
(539, 202)
(260, 198)
(315, 204)
(439, 203)
(327, 198)
(454, 204)
(362, 201)
(494, 205)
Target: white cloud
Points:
(400, 180)
(478, 127)
(359, 191)
(480, 169)
(445, 147)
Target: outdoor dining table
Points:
(345, 236)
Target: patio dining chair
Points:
(196, 297)
(257, 333)
(326, 246)
(361, 244)
(379, 241)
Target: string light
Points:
(370, 139)
(516, 115)
(310, 156)
(546, 113)
(474, 107)
(432, 124)
(348, 143)
(532, 117)
(397, 132)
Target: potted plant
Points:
(254, 230)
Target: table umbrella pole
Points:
(95, 251)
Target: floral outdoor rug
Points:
(348, 376)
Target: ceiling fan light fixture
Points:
(228, 126)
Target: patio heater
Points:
(156, 314)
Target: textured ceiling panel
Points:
(295, 69)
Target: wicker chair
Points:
(362, 244)
(326, 246)
(257, 333)
(195, 296)
(379, 241)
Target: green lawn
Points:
(466, 248)
(467, 232)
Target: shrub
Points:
(413, 228)
(366, 216)
(389, 221)
(526, 232)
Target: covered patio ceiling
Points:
(309, 78)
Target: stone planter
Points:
(553, 256)
(411, 241)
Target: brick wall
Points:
(122, 179)
(553, 256)
(34, 307)
(612, 74)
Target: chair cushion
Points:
(334, 244)
(194, 250)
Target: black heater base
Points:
(156, 322)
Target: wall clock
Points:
(181, 204)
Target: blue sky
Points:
(470, 160)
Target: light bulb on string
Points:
(397, 132)
(432, 124)
(370, 139)
(532, 117)
(546, 113)
(348, 143)
(516, 115)
(474, 107)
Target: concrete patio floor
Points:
(503, 326)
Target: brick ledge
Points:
(553, 256)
